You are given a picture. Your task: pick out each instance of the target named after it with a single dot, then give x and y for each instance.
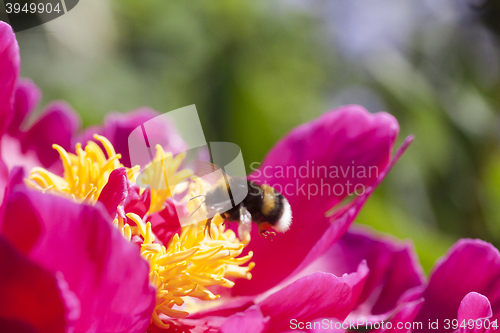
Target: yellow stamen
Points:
(192, 261)
(85, 173)
(162, 176)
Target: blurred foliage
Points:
(255, 69)
(243, 63)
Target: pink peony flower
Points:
(462, 294)
(464, 285)
(90, 273)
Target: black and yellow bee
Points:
(263, 205)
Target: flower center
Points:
(189, 264)
(192, 261)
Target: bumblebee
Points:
(263, 205)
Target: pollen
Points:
(85, 173)
(190, 264)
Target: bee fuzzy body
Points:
(268, 208)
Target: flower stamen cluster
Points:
(192, 261)
(163, 177)
(189, 264)
(85, 173)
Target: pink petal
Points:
(29, 294)
(474, 314)
(103, 270)
(137, 203)
(404, 316)
(327, 325)
(27, 97)
(314, 296)
(118, 126)
(341, 219)
(57, 125)
(115, 191)
(165, 224)
(19, 208)
(403, 319)
(227, 308)
(16, 326)
(203, 325)
(469, 266)
(474, 306)
(250, 321)
(9, 73)
(13, 155)
(394, 268)
(341, 138)
(311, 232)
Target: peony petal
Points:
(327, 325)
(474, 314)
(9, 73)
(57, 125)
(115, 191)
(12, 154)
(16, 178)
(311, 234)
(342, 218)
(338, 140)
(16, 326)
(27, 97)
(474, 306)
(118, 126)
(19, 208)
(314, 296)
(404, 316)
(470, 265)
(29, 294)
(394, 268)
(226, 309)
(203, 325)
(331, 328)
(249, 321)
(136, 202)
(403, 319)
(104, 271)
(165, 224)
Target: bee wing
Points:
(208, 171)
(219, 207)
(197, 215)
(245, 225)
(203, 212)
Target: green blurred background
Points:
(257, 68)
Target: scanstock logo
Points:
(23, 14)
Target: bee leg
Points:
(208, 227)
(224, 219)
(266, 233)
